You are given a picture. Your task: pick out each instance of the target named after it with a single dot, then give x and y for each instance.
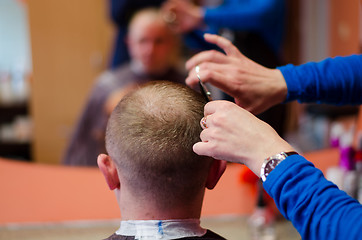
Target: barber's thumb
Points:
(200, 148)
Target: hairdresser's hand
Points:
(182, 15)
(235, 135)
(253, 86)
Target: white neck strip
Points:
(161, 229)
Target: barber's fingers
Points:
(224, 44)
(219, 136)
(206, 146)
(209, 72)
(206, 56)
(215, 114)
(202, 148)
(210, 144)
(220, 106)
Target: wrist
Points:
(255, 164)
(280, 85)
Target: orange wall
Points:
(48, 193)
(344, 27)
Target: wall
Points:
(314, 30)
(344, 27)
(329, 28)
(70, 42)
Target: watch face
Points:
(271, 162)
(269, 166)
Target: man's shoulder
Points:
(119, 237)
(210, 235)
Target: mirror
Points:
(70, 43)
(15, 69)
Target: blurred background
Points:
(51, 52)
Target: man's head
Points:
(149, 138)
(152, 45)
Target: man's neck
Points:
(133, 208)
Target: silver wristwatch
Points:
(271, 162)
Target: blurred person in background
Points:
(121, 13)
(154, 50)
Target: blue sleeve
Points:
(332, 81)
(239, 14)
(315, 206)
(264, 17)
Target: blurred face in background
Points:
(151, 44)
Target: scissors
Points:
(205, 92)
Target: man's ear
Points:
(109, 170)
(216, 171)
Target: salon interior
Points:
(51, 52)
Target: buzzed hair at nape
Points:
(150, 135)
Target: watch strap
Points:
(287, 154)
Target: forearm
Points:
(333, 81)
(315, 206)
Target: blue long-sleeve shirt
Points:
(334, 81)
(265, 17)
(315, 206)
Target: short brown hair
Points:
(150, 135)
